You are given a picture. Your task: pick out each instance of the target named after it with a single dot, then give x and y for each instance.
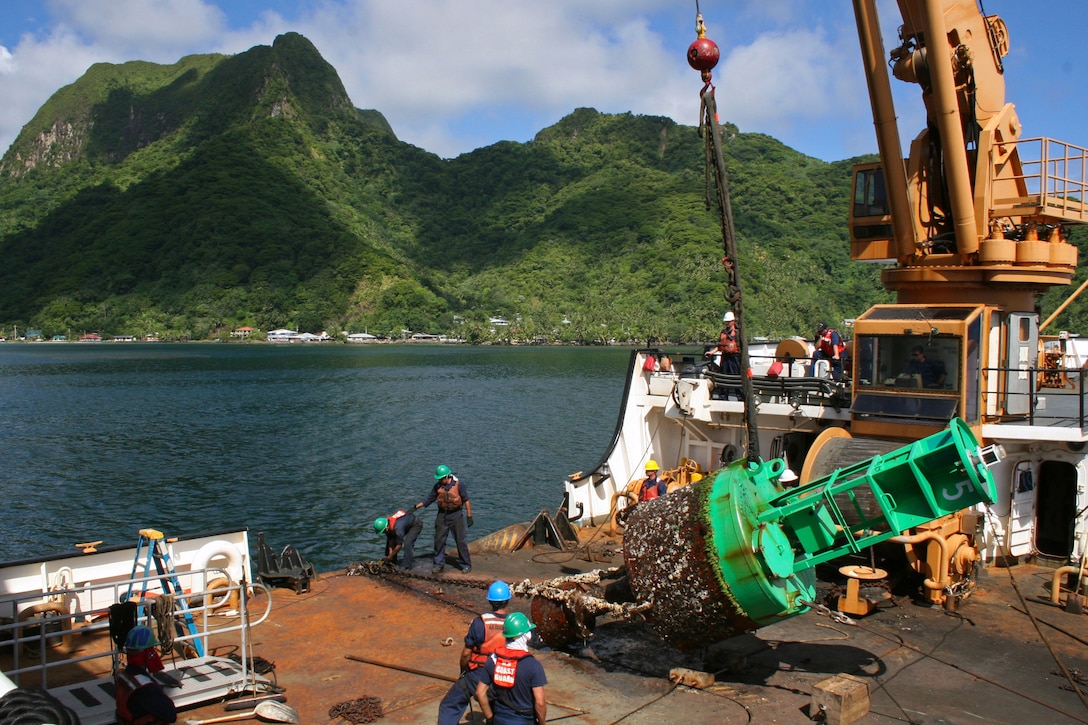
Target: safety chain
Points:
(960, 590)
(823, 611)
(360, 710)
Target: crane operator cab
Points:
(918, 366)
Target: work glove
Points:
(470, 521)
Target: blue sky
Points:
(455, 75)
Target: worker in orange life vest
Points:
(454, 514)
(652, 486)
(401, 530)
(140, 698)
(829, 346)
(484, 637)
(512, 689)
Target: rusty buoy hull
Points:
(696, 554)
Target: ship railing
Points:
(1053, 179)
(46, 643)
(784, 389)
(1051, 397)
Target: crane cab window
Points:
(913, 362)
(870, 194)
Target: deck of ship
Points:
(987, 662)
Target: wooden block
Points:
(839, 700)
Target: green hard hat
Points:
(140, 638)
(516, 624)
(441, 472)
(380, 525)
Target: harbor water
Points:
(305, 443)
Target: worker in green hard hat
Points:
(454, 515)
(401, 530)
(485, 635)
(511, 691)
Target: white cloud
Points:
(32, 72)
(148, 28)
(452, 75)
(793, 86)
(426, 64)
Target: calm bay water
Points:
(306, 443)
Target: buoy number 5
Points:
(959, 492)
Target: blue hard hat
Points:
(140, 638)
(498, 592)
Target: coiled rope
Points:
(162, 611)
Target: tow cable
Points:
(703, 55)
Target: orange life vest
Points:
(449, 499)
(506, 666)
(728, 343)
(124, 686)
(648, 493)
(825, 346)
(391, 521)
(493, 639)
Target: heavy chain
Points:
(385, 569)
(823, 611)
(552, 589)
(576, 598)
(360, 710)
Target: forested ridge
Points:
(222, 191)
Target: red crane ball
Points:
(703, 54)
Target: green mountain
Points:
(227, 190)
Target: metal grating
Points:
(203, 679)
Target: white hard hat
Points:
(788, 476)
(728, 316)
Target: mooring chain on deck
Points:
(553, 589)
(387, 570)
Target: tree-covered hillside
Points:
(222, 191)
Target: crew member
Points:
(788, 479)
(454, 514)
(932, 371)
(652, 486)
(401, 530)
(512, 689)
(829, 346)
(726, 354)
(140, 698)
(484, 637)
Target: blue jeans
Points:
(455, 702)
(408, 550)
(444, 523)
(836, 365)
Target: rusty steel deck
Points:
(987, 662)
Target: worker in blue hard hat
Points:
(140, 697)
(511, 691)
(454, 515)
(484, 637)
